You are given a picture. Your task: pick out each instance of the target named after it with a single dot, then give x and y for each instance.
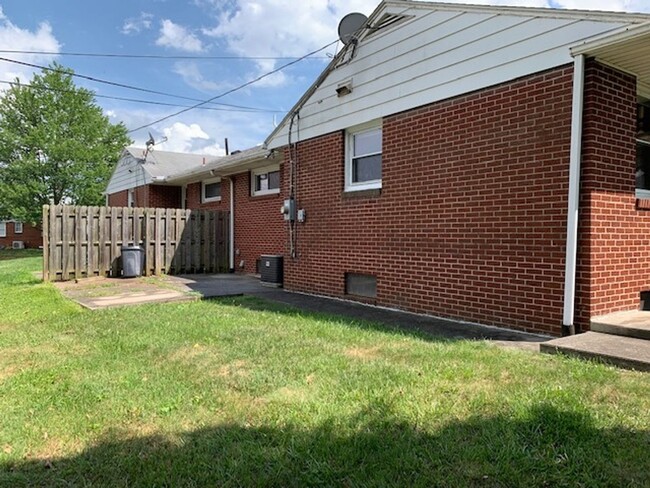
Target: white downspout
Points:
(232, 225)
(568, 327)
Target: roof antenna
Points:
(150, 144)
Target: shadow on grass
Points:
(10, 254)
(357, 315)
(547, 447)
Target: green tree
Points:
(56, 145)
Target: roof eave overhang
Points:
(627, 49)
(256, 160)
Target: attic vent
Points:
(387, 20)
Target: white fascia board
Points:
(627, 33)
(556, 13)
(239, 166)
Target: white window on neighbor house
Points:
(3, 228)
(265, 181)
(130, 198)
(363, 157)
(211, 190)
(18, 227)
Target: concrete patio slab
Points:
(633, 323)
(626, 352)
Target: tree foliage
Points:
(56, 145)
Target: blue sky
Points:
(235, 28)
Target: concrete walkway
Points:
(229, 285)
(96, 293)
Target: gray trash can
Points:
(132, 261)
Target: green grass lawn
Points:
(241, 392)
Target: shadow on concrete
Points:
(546, 447)
(220, 286)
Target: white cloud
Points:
(135, 25)
(13, 37)
(178, 37)
(191, 74)
(190, 139)
(263, 28)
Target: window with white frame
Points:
(18, 227)
(265, 181)
(363, 157)
(3, 228)
(211, 190)
(130, 200)
(643, 151)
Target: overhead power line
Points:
(232, 90)
(152, 56)
(154, 102)
(114, 83)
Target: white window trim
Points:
(208, 182)
(261, 171)
(16, 227)
(3, 228)
(349, 134)
(130, 197)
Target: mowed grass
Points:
(241, 392)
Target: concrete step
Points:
(635, 323)
(626, 352)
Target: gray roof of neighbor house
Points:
(166, 163)
(133, 169)
(236, 162)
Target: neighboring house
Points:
(141, 178)
(476, 163)
(248, 185)
(16, 234)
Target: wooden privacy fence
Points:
(80, 242)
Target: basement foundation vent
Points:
(644, 302)
(361, 285)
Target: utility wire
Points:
(114, 83)
(153, 102)
(232, 90)
(151, 56)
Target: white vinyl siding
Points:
(127, 174)
(435, 55)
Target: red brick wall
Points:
(163, 196)
(471, 219)
(194, 197)
(155, 196)
(614, 252)
(259, 227)
(118, 199)
(31, 236)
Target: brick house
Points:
(18, 235)
(476, 163)
(247, 184)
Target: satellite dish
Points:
(350, 25)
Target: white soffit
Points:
(627, 50)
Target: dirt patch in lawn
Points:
(363, 353)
